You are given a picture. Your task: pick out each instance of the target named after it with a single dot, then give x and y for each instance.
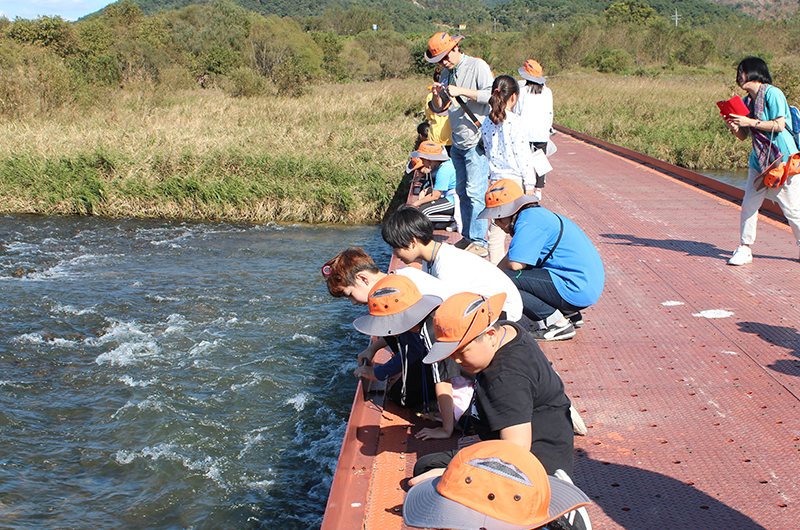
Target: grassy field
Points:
(674, 119)
(334, 155)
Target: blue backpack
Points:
(795, 128)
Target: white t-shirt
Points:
(469, 273)
(536, 111)
(427, 284)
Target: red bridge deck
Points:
(686, 371)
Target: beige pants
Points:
(788, 197)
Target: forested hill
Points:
(407, 16)
(403, 16)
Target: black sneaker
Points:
(555, 332)
(576, 318)
(462, 243)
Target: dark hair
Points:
(503, 88)
(341, 271)
(753, 69)
(423, 128)
(437, 74)
(406, 224)
(533, 87)
(515, 215)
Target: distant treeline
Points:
(480, 16)
(48, 62)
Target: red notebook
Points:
(735, 105)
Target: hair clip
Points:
(326, 270)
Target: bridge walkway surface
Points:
(686, 371)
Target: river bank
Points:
(335, 155)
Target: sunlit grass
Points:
(335, 154)
(674, 119)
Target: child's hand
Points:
(367, 372)
(365, 357)
(434, 433)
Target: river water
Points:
(158, 374)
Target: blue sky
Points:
(67, 9)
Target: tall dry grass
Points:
(672, 118)
(335, 154)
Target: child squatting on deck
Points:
(555, 266)
(518, 396)
(494, 485)
(410, 234)
(439, 203)
(353, 274)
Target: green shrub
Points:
(331, 46)
(608, 60)
(54, 33)
(244, 82)
(280, 51)
(696, 48)
(389, 50)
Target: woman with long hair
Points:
(535, 106)
(505, 139)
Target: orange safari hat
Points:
(395, 306)
(461, 318)
(439, 45)
(496, 485)
(532, 71)
(431, 151)
(414, 164)
(503, 199)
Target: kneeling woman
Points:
(551, 261)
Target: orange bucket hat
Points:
(414, 164)
(395, 306)
(532, 71)
(430, 151)
(461, 318)
(771, 177)
(495, 484)
(439, 45)
(503, 199)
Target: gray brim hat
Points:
(529, 69)
(506, 210)
(390, 316)
(439, 45)
(504, 199)
(430, 151)
(413, 164)
(425, 507)
(460, 319)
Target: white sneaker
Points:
(741, 255)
